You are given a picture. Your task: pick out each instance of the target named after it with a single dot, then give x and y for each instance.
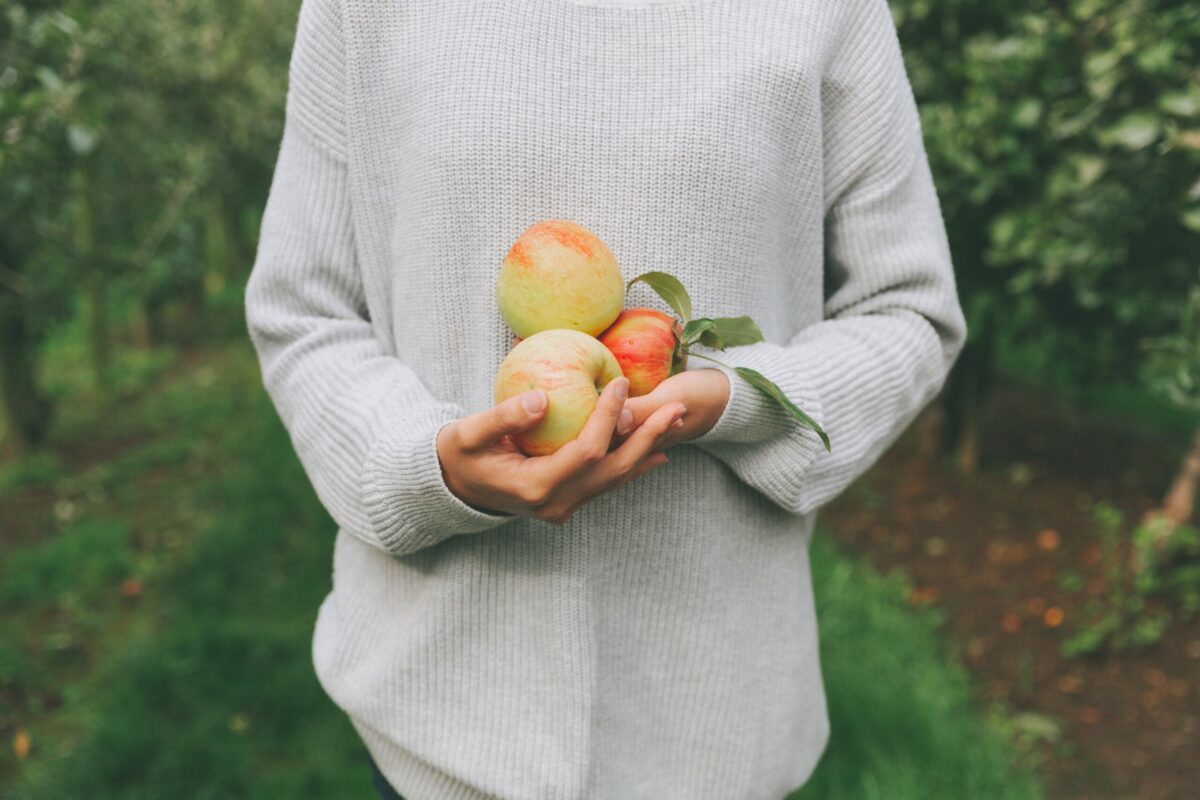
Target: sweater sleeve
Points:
(892, 322)
(362, 423)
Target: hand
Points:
(483, 467)
(703, 392)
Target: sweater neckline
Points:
(646, 6)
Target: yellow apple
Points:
(572, 367)
(644, 342)
(558, 274)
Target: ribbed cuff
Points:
(407, 499)
(749, 415)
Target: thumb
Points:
(518, 413)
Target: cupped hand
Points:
(703, 392)
(483, 467)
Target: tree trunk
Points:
(193, 322)
(220, 241)
(26, 411)
(931, 431)
(94, 296)
(99, 341)
(967, 393)
(1177, 507)
(1180, 501)
(147, 322)
(241, 248)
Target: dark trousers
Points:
(382, 787)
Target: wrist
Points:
(447, 456)
(716, 398)
(747, 415)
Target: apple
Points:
(558, 274)
(572, 367)
(645, 343)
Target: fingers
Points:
(635, 457)
(624, 462)
(674, 435)
(635, 412)
(644, 440)
(591, 445)
(625, 422)
(640, 408)
(519, 413)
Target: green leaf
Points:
(1027, 113)
(1191, 218)
(1133, 131)
(1088, 169)
(1036, 727)
(1100, 62)
(767, 387)
(81, 139)
(48, 78)
(1157, 58)
(1184, 103)
(696, 327)
(710, 339)
(669, 289)
(736, 331)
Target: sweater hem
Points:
(410, 776)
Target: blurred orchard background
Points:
(1008, 600)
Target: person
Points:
(632, 616)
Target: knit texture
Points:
(663, 643)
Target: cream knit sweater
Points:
(662, 644)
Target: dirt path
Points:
(1013, 557)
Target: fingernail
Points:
(677, 424)
(625, 421)
(534, 401)
(622, 389)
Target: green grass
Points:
(80, 561)
(38, 469)
(207, 689)
(903, 721)
(202, 685)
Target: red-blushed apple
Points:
(644, 342)
(572, 367)
(558, 274)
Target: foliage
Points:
(718, 334)
(1173, 565)
(1165, 557)
(188, 102)
(1065, 142)
(881, 746)
(34, 470)
(1139, 605)
(82, 559)
(165, 709)
(1173, 366)
(137, 141)
(41, 138)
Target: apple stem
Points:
(706, 358)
